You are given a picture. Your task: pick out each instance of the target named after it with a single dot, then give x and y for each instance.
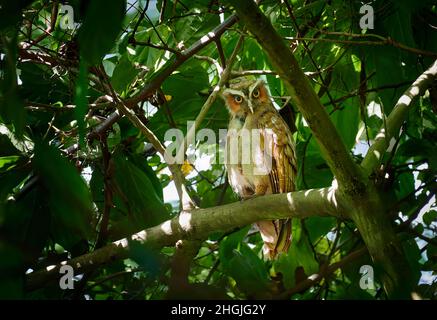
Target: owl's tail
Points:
(276, 235)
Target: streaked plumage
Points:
(271, 171)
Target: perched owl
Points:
(260, 154)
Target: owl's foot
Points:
(248, 197)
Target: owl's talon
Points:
(249, 197)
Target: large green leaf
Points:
(413, 255)
(142, 164)
(100, 29)
(68, 195)
(11, 280)
(123, 74)
(6, 146)
(230, 243)
(242, 264)
(319, 226)
(137, 196)
(10, 12)
(39, 85)
(11, 101)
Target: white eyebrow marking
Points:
(235, 92)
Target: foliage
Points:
(70, 183)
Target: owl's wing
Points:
(276, 137)
(278, 143)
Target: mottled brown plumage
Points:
(260, 156)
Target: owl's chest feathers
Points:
(245, 160)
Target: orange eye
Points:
(255, 93)
(238, 99)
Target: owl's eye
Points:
(255, 93)
(238, 99)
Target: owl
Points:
(260, 154)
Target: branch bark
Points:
(323, 272)
(394, 121)
(199, 223)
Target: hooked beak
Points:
(250, 107)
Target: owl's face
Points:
(246, 97)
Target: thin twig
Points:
(386, 42)
(211, 99)
(315, 278)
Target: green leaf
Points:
(6, 146)
(346, 121)
(430, 217)
(123, 74)
(231, 242)
(100, 29)
(39, 85)
(97, 187)
(11, 102)
(68, 195)
(10, 12)
(11, 282)
(412, 253)
(316, 173)
(149, 259)
(10, 180)
(137, 196)
(404, 185)
(194, 75)
(141, 163)
(242, 264)
(7, 162)
(319, 226)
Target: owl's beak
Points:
(250, 107)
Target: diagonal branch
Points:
(324, 272)
(394, 121)
(200, 223)
(303, 95)
(224, 78)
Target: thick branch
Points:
(303, 95)
(396, 118)
(180, 268)
(199, 223)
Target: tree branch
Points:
(199, 223)
(394, 121)
(324, 272)
(384, 42)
